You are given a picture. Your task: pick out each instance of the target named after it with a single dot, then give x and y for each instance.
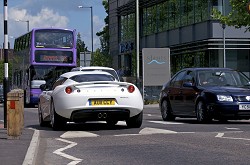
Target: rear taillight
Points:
(68, 90)
(131, 88)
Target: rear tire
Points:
(57, 122)
(135, 121)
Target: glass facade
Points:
(164, 16)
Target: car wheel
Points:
(111, 122)
(57, 122)
(166, 111)
(202, 114)
(42, 123)
(135, 121)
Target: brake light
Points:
(68, 90)
(131, 88)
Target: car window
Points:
(189, 77)
(177, 81)
(112, 72)
(92, 77)
(222, 78)
(59, 81)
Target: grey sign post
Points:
(85, 58)
(156, 66)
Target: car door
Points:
(188, 94)
(173, 93)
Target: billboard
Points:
(156, 66)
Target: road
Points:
(157, 142)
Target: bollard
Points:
(15, 113)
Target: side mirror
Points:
(43, 87)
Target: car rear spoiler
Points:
(104, 82)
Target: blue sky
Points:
(54, 13)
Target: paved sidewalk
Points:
(16, 151)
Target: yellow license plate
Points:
(102, 102)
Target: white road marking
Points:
(164, 122)
(152, 115)
(232, 128)
(77, 134)
(150, 131)
(221, 135)
(60, 153)
(31, 154)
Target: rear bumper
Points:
(99, 115)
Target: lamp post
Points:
(224, 35)
(28, 22)
(137, 44)
(92, 39)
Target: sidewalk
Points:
(17, 151)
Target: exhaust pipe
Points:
(102, 115)
(99, 115)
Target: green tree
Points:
(102, 56)
(238, 17)
(81, 47)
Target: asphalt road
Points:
(157, 142)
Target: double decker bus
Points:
(40, 56)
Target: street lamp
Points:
(92, 39)
(224, 35)
(28, 29)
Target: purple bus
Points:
(40, 56)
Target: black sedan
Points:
(206, 93)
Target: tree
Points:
(80, 47)
(104, 40)
(238, 17)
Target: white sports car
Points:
(81, 96)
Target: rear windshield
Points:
(92, 77)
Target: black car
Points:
(206, 93)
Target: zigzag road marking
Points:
(60, 153)
(77, 134)
(150, 131)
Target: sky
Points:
(53, 13)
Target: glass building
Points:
(186, 27)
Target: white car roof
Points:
(92, 67)
(73, 73)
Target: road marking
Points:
(77, 134)
(150, 115)
(232, 128)
(60, 153)
(150, 131)
(221, 135)
(31, 154)
(164, 122)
